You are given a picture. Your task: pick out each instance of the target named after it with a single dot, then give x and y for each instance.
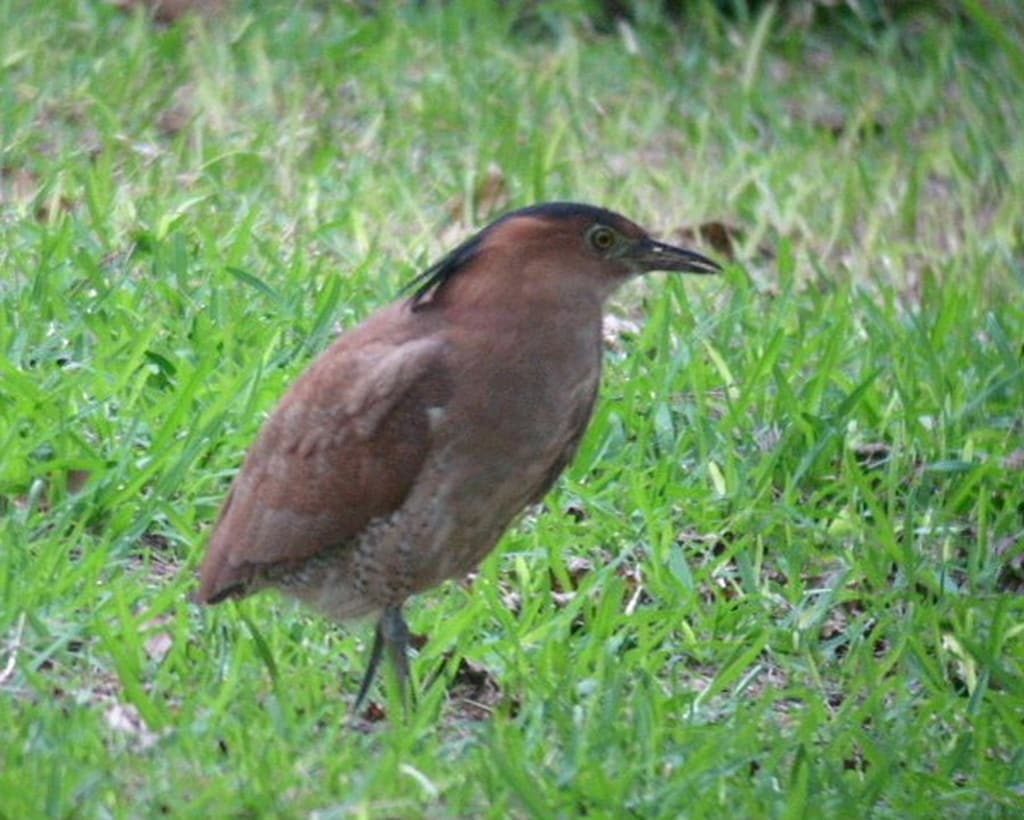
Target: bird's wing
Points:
(344, 447)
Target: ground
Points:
(782, 578)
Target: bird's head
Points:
(557, 247)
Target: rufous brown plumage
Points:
(402, 455)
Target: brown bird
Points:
(401, 456)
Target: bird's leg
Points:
(371, 668)
(392, 632)
(396, 636)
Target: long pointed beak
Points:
(649, 255)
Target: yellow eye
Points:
(601, 238)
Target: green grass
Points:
(782, 578)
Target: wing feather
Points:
(344, 447)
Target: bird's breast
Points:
(511, 426)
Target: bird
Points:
(400, 457)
